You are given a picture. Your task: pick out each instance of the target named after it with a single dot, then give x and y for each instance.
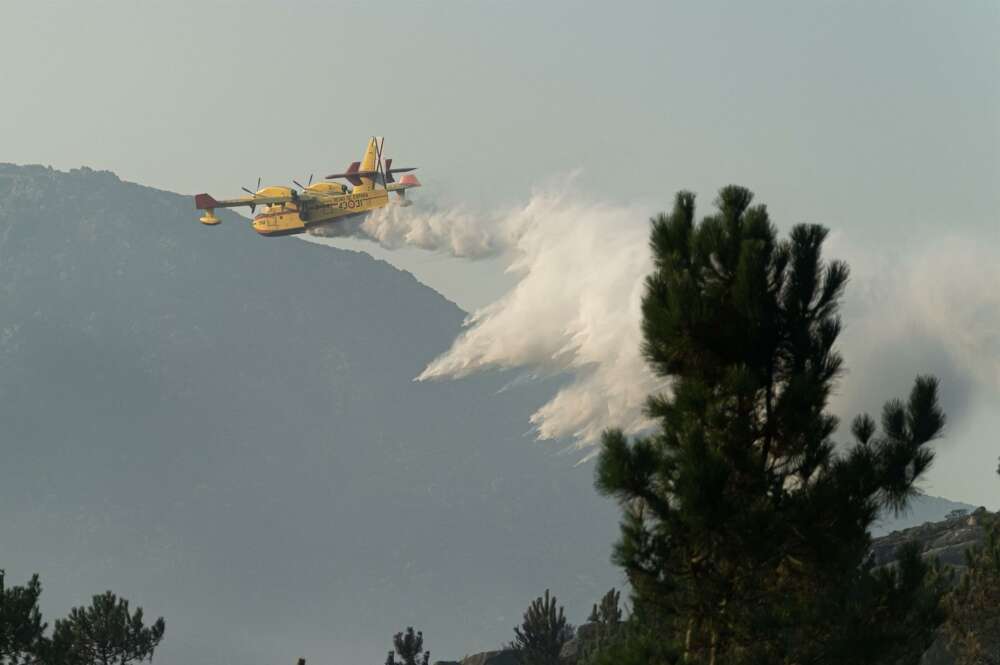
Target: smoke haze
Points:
(932, 308)
(575, 309)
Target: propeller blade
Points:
(310, 178)
(258, 183)
(300, 184)
(248, 191)
(379, 143)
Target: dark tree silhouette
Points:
(605, 626)
(973, 625)
(744, 533)
(22, 632)
(105, 633)
(543, 632)
(410, 647)
(607, 612)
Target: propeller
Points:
(301, 186)
(253, 194)
(379, 143)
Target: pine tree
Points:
(637, 643)
(105, 633)
(410, 647)
(22, 632)
(886, 615)
(540, 637)
(973, 626)
(607, 612)
(606, 626)
(743, 530)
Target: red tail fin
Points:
(205, 202)
(349, 174)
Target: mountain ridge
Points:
(224, 429)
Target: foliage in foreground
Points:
(543, 632)
(105, 633)
(607, 613)
(632, 641)
(744, 534)
(636, 644)
(973, 626)
(410, 647)
(604, 627)
(22, 632)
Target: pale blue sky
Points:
(871, 116)
(879, 119)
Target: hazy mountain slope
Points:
(224, 428)
(922, 509)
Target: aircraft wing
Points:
(207, 202)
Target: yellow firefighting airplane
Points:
(286, 211)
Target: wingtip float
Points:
(285, 211)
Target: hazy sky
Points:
(879, 119)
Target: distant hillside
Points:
(947, 541)
(224, 429)
(922, 509)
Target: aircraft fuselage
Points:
(291, 218)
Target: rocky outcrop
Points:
(574, 649)
(947, 540)
(938, 654)
(503, 657)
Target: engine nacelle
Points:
(326, 188)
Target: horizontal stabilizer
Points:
(389, 170)
(352, 174)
